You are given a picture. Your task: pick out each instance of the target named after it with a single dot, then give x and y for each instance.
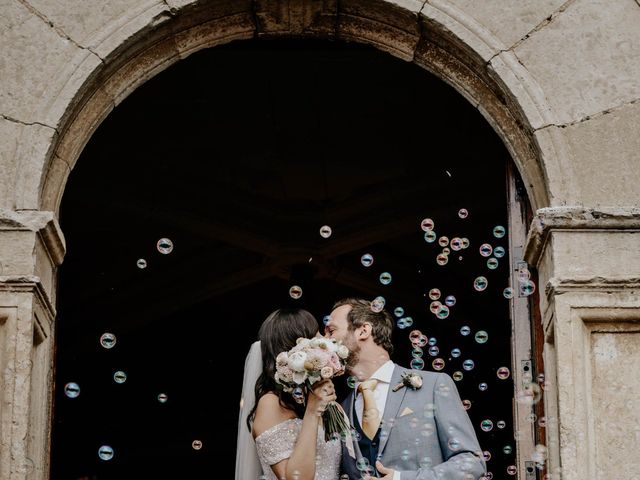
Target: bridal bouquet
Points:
(310, 361)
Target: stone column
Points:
(589, 266)
(31, 248)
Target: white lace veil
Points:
(247, 463)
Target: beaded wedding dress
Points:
(276, 444)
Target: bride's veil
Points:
(247, 463)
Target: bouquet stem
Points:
(334, 422)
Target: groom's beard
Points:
(354, 357)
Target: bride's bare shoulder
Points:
(270, 413)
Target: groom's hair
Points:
(361, 313)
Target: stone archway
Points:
(446, 42)
(138, 43)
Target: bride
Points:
(277, 437)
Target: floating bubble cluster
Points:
(449, 305)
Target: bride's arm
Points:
(301, 463)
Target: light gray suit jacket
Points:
(426, 433)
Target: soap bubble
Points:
(398, 312)
(442, 312)
(427, 224)
(492, 263)
(162, 398)
(483, 386)
(499, 231)
(434, 306)
(486, 425)
(455, 353)
(141, 263)
(105, 452)
(508, 292)
(377, 305)
(72, 390)
(120, 376)
(480, 283)
(108, 340)
(325, 231)
(366, 260)
(482, 336)
(527, 288)
(196, 444)
(165, 246)
(456, 244)
(443, 241)
(430, 236)
(295, 292)
(385, 278)
(463, 213)
(438, 364)
(486, 250)
(503, 373)
(499, 252)
(415, 335)
(465, 330)
(468, 364)
(442, 259)
(457, 375)
(450, 301)
(417, 363)
(434, 294)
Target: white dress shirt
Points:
(383, 375)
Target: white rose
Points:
(302, 342)
(282, 358)
(299, 377)
(332, 346)
(326, 372)
(416, 381)
(296, 361)
(343, 352)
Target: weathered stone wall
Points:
(558, 80)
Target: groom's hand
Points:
(387, 472)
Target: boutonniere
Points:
(411, 380)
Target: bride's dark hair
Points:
(279, 333)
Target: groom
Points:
(411, 423)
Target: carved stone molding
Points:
(576, 218)
(44, 223)
(29, 284)
(600, 284)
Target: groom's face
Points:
(338, 328)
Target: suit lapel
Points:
(392, 406)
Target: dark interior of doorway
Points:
(239, 154)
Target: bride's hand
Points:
(321, 395)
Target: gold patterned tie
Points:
(370, 413)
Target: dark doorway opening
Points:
(239, 154)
